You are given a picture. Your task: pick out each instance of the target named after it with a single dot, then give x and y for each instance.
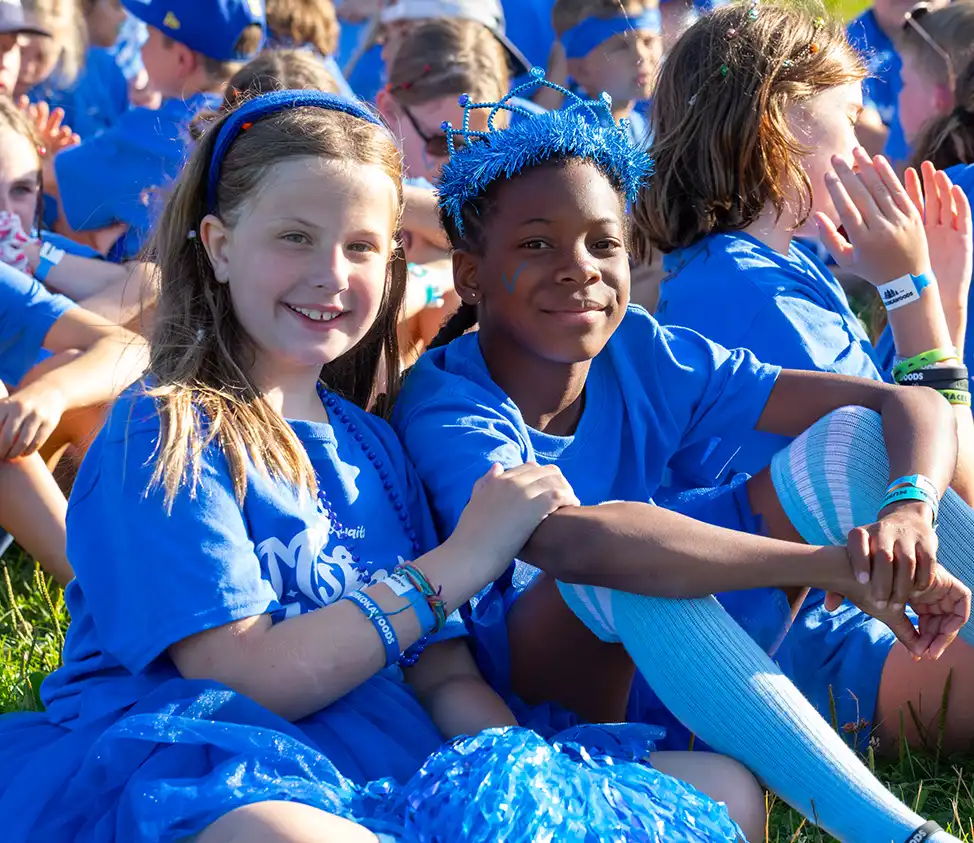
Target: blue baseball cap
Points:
(210, 27)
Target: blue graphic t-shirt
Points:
(148, 578)
(787, 309)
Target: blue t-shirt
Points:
(650, 392)
(116, 175)
(368, 75)
(147, 579)
(881, 89)
(96, 99)
(27, 313)
(787, 309)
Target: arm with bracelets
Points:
(901, 240)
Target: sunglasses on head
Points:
(911, 20)
(436, 144)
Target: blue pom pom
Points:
(464, 99)
(509, 784)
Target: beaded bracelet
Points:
(423, 585)
(957, 397)
(922, 361)
(380, 620)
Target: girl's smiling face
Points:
(307, 261)
(553, 282)
(19, 177)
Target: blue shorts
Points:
(828, 655)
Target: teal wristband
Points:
(912, 493)
(921, 481)
(50, 257)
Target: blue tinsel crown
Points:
(583, 129)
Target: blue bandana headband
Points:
(583, 129)
(586, 35)
(259, 107)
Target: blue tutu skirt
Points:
(192, 751)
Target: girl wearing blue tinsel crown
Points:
(564, 373)
(256, 562)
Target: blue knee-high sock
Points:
(717, 681)
(833, 477)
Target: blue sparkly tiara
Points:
(582, 129)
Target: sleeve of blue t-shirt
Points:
(152, 577)
(27, 313)
(697, 389)
(453, 436)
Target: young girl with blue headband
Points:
(613, 47)
(562, 372)
(256, 564)
(735, 184)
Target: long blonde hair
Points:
(199, 353)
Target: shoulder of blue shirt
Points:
(108, 178)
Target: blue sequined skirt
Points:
(193, 751)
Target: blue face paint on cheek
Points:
(509, 284)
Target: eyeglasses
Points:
(436, 145)
(10, 40)
(911, 20)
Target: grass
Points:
(33, 620)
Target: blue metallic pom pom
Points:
(511, 785)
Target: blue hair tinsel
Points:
(583, 129)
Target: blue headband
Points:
(583, 129)
(586, 35)
(259, 107)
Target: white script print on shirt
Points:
(305, 567)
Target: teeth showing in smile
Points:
(316, 315)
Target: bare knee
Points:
(283, 822)
(724, 780)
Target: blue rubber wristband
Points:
(371, 610)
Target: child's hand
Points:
(946, 217)
(52, 136)
(27, 420)
(13, 242)
(506, 507)
(884, 237)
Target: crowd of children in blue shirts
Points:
(385, 513)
